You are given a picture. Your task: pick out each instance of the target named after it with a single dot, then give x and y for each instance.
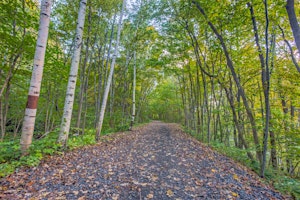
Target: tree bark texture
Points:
(36, 78)
(290, 8)
(108, 83)
(69, 100)
(133, 92)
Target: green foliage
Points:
(10, 155)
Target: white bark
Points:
(133, 92)
(111, 72)
(69, 101)
(36, 78)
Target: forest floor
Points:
(155, 161)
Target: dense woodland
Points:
(228, 71)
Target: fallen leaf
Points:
(234, 194)
(150, 196)
(115, 196)
(154, 178)
(235, 177)
(198, 182)
(170, 193)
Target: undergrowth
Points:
(10, 155)
(281, 182)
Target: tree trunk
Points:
(265, 75)
(83, 73)
(69, 101)
(238, 126)
(133, 92)
(293, 22)
(238, 84)
(105, 96)
(104, 75)
(291, 50)
(36, 78)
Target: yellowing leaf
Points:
(234, 194)
(170, 193)
(213, 170)
(235, 177)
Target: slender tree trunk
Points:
(36, 78)
(238, 126)
(86, 85)
(133, 92)
(291, 50)
(105, 96)
(109, 48)
(265, 74)
(98, 82)
(83, 72)
(290, 8)
(2, 125)
(238, 84)
(104, 74)
(69, 101)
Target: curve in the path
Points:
(157, 161)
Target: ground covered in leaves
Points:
(156, 161)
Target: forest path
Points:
(156, 161)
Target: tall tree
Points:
(111, 72)
(69, 101)
(265, 77)
(36, 78)
(240, 88)
(133, 92)
(290, 8)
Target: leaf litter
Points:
(155, 161)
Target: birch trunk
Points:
(104, 102)
(133, 92)
(83, 73)
(69, 101)
(36, 78)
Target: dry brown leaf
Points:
(150, 196)
(154, 178)
(115, 196)
(170, 193)
(198, 182)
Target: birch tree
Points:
(69, 100)
(111, 72)
(133, 92)
(36, 78)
